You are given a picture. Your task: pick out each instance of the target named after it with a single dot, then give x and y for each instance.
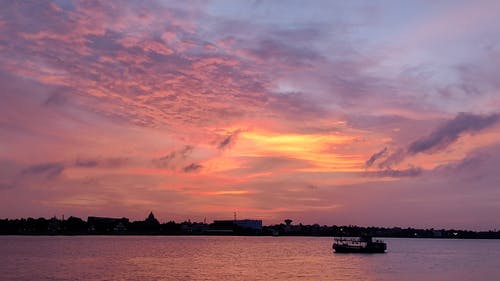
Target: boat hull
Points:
(371, 249)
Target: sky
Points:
(383, 113)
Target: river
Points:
(240, 258)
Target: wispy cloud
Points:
(166, 161)
(397, 173)
(229, 140)
(441, 137)
(375, 157)
(48, 170)
(112, 162)
(193, 167)
(450, 131)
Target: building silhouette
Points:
(107, 225)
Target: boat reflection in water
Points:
(364, 244)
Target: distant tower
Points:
(151, 216)
(234, 216)
(151, 219)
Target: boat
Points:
(363, 244)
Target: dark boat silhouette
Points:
(364, 244)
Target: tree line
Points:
(151, 226)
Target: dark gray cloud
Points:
(56, 98)
(166, 160)
(393, 173)
(186, 150)
(450, 131)
(393, 159)
(13, 174)
(49, 170)
(228, 140)
(86, 163)
(374, 157)
(441, 137)
(274, 50)
(112, 162)
(193, 167)
(163, 161)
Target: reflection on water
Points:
(241, 258)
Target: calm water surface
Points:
(241, 258)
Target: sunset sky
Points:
(381, 113)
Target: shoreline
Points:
(216, 235)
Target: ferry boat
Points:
(364, 244)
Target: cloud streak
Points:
(395, 173)
(228, 141)
(450, 131)
(112, 162)
(375, 157)
(48, 170)
(192, 168)
(168, 160)
(440, 138)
